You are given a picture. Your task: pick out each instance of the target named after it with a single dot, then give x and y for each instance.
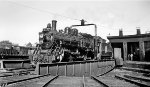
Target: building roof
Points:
(129, 36)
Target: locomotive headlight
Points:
(41, 35)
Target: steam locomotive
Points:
(74, 46)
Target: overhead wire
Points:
(52, 13)
(48, 12)
(41, 10)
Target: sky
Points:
(22, 20)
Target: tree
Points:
(6, 44)
(29, 45)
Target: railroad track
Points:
(145, 71)
(47, 83)
(95, 82)
(137, 80)
(103, 84)
(21, 80)
(5, 75)
(85, 82)
(63, 81)
(78, 81)
(92, 81)
(75, 82)
(125, 80)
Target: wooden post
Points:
(66, 70)
(37, 69)
(90, 68)
(57, 70)
(73, 70)
(125, 50)
(142, 50)
(85, 68)
(80, 69)
(22, 65)
(47, 69)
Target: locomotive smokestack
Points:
(120, 32)
(138, 30)
(54, 22)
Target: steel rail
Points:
(107, 71)
(135, 70)
(138, 78)
(143, 71)
(46, 84)
(6, 75)
(132, 81)
(97, 80)
(21, 80)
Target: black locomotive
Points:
(67, 45)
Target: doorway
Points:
(133, 51)
(117, 50)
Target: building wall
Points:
(143, 45)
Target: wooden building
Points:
(131, 47)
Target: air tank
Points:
(68, 30)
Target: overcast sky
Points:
(22, 20)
